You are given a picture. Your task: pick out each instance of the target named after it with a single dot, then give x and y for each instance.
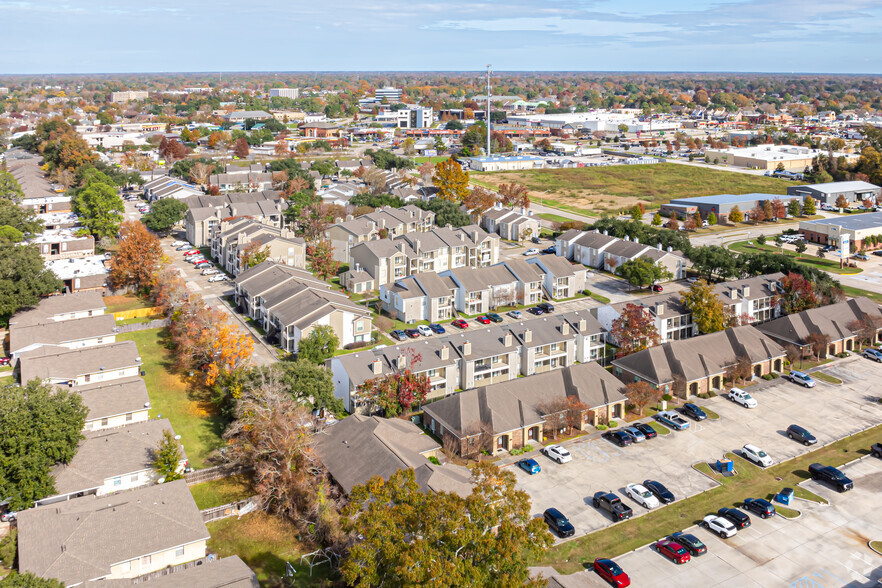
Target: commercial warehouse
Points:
(721, 204)
(829, 193)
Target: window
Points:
(117, 481)
(87, 378)
(145, 560)
(103, 422)
(128, 417)
(179, 552)
(100, 340)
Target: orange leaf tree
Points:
(137, 258)
(451, 180)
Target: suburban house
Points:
(72, 334)
(290, 303)
(752, 300)
(226, 572)
(510, 224)
(600, 251)
(513, 414)
(360, 447)
(699, 365)
(63, 244)
(232, 240)
(839, 323)
(562, 279)
(99, 363)
(112, 537)
(431, 357)
(109, 461)
(421, 297)
(116, 403)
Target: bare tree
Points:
(504, 296)
(739, 371)
(450, 445)
(575, 410)
(866, 328)
(819, 343)
(200, 173)
(479, 438)
(554, 414)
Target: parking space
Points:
(826, 547)
(829, 412)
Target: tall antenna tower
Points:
(489, 71)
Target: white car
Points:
(557, 453)
(179, 243)
(217, 278)
(425, 331)
(532, 251)
(210, 271)
(195, 259)
(719, 525)
(756, 455)
(641, 495)
(741, 397)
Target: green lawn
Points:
(121, 303)
(173, 396)
(660, 429)
(826, 378)
(877, 545)
(221, 492)
(433, 160)
(828, 265)
(265, 543)
(751, 481)
(855, 292)
(710, 414)
(604, 189)
(556, 218)
(6, 380)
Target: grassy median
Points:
(750, 482)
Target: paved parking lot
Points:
(824, 548)
(829, 412)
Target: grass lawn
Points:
(613, 188)
(172, 395)
(660, 429)
(877, 545)
(599, 298)
(826, 378)
(751, 481)
(710, 414)
(6, 380)
(265, 543)
(556, 218)
(127, 302)
(221, 492)
(822, 264)
(137, 320)
(433, 160)
(855, 292)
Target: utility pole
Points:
(488, 109)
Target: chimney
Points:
(377, 367)
(445, 352)
(659, 246)
(660, 309)
(583, 326)
(745, 291)
(733, 293)
(565, 328)
(349, 217)
(637, 240)
(605, 233)
(401, 362)
(528, 336)
(507, 340)
(627, 237)
(466, 348)
(670, 249)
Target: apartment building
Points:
(752, 300)
(421, 297)
(205, 213)
(233, 241)
(74, 367)
(63, 244)
(510, 224)
(599, 250)
(561, 279)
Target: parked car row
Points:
(635, 434)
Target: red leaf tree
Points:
(634, 330)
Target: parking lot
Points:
(829, 411)
(826, 547)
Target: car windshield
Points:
(745, 395)
(679, 550)
(644, 493)
(613, 568)
(762, 453)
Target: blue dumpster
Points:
(785, 496)
(725, 466)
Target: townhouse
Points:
(838, 327)
(63, 244)
(590, 335)
(115, 403)
(510, 224)
(385, 222)
(75, 367)
(547, 343)
(510, 415)
(486, 356)
(601, 251)
(480, 290)
(232, 241)
(531, 279)
(561, 278)
(112, 537)
(752, 300)
(290, 303)
(61, 308)
(205, 213)
(421, 297)
(72, 334)
(701, 364)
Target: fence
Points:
(233, 509)
(137, 313)
(210, 474)
(154, 324)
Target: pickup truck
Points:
(672, 419)
(613, 505)
(876, 450)
(831, 476)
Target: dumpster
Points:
(725, 466)
(784, 496)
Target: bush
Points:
(8, 548)
(357, 344)
(711, 394)
(703, 395)
(613, 424)
(667, 397)
(522, 450)
(767, 377)
(434, 460)
(604, 427)
(843, 354)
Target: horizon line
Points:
(441, 71)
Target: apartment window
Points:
(128, 417)
(87, 378)
(179, 552)
(103, 422)
(117, 481)
(145, 560)
(359, 327)
(100, 340)
(134, 478)
(90, 313)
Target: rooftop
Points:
(853, 222)
(68, 269)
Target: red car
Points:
(673, 551)
(192, 252)
(483, 320)
(657, 288)
(461, 324)
(611, 572)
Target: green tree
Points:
(656, 219)
(713, 259)
(310, 384)
(413, 538)
(800, 248)
(319, 345)
(42, 426)
(98, 205)
(164, 214)
(809, 208)
(711, 219)
(454, 125)
(636, 212)
(446, 212)
(735, 215)
(642, 273)
(23, 278)
(761, 239)
(451, 180)
(167, 457)
(708, 311)
(9, 187)
(793, 208)
(29, 580)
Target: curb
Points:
(873, 548)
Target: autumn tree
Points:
(240, 148)
(479, 200)
(451, 180)
(673, 223)
(768, 210)
(554, 416)
(167, 456)
(798, 294)
(634, 330)
(757, 214)
(575, 411)
(866, 328)
(777, 208)
(641, 394)
(319, 345)
(818, 343)
(514, 195)
(137, 258)
(809, 208)
(408, 537)
(842, 201)
(400, 390)
(735, 215)
(426, 170)
(696, 219)
(321, 260)
(253, 254)
(740, 370)
(708, 311)
(272, 436)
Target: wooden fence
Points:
(232, 509)
(209, 474)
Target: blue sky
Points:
(89, 36)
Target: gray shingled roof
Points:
(62, 363)
(227, 572)
(113, 398)
(59, 305)
(51, 332)
(832, 320)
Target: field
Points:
(600, 190)
(190, 412)
(121, 303)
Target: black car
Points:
(694, 411)
(659, 491)
(549, 250)
(692, 543)
(736, 517)
(412, 333)
(797, 433)
(647, 430)
(399, 335)
(494, 317)
(879, 253)
(758, 506)
(559, 523)
(545, 307)
(535, 310)
(831, 476)
(620, 438)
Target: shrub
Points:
(711, 394)
(434, 460)
(767, 377)
(703, 395)
(522, 450)
(843, 354)
(604, 427)
(8, 548)
(613, 424)
(667, 397)
(357, 345)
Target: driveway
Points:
(829, 411)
